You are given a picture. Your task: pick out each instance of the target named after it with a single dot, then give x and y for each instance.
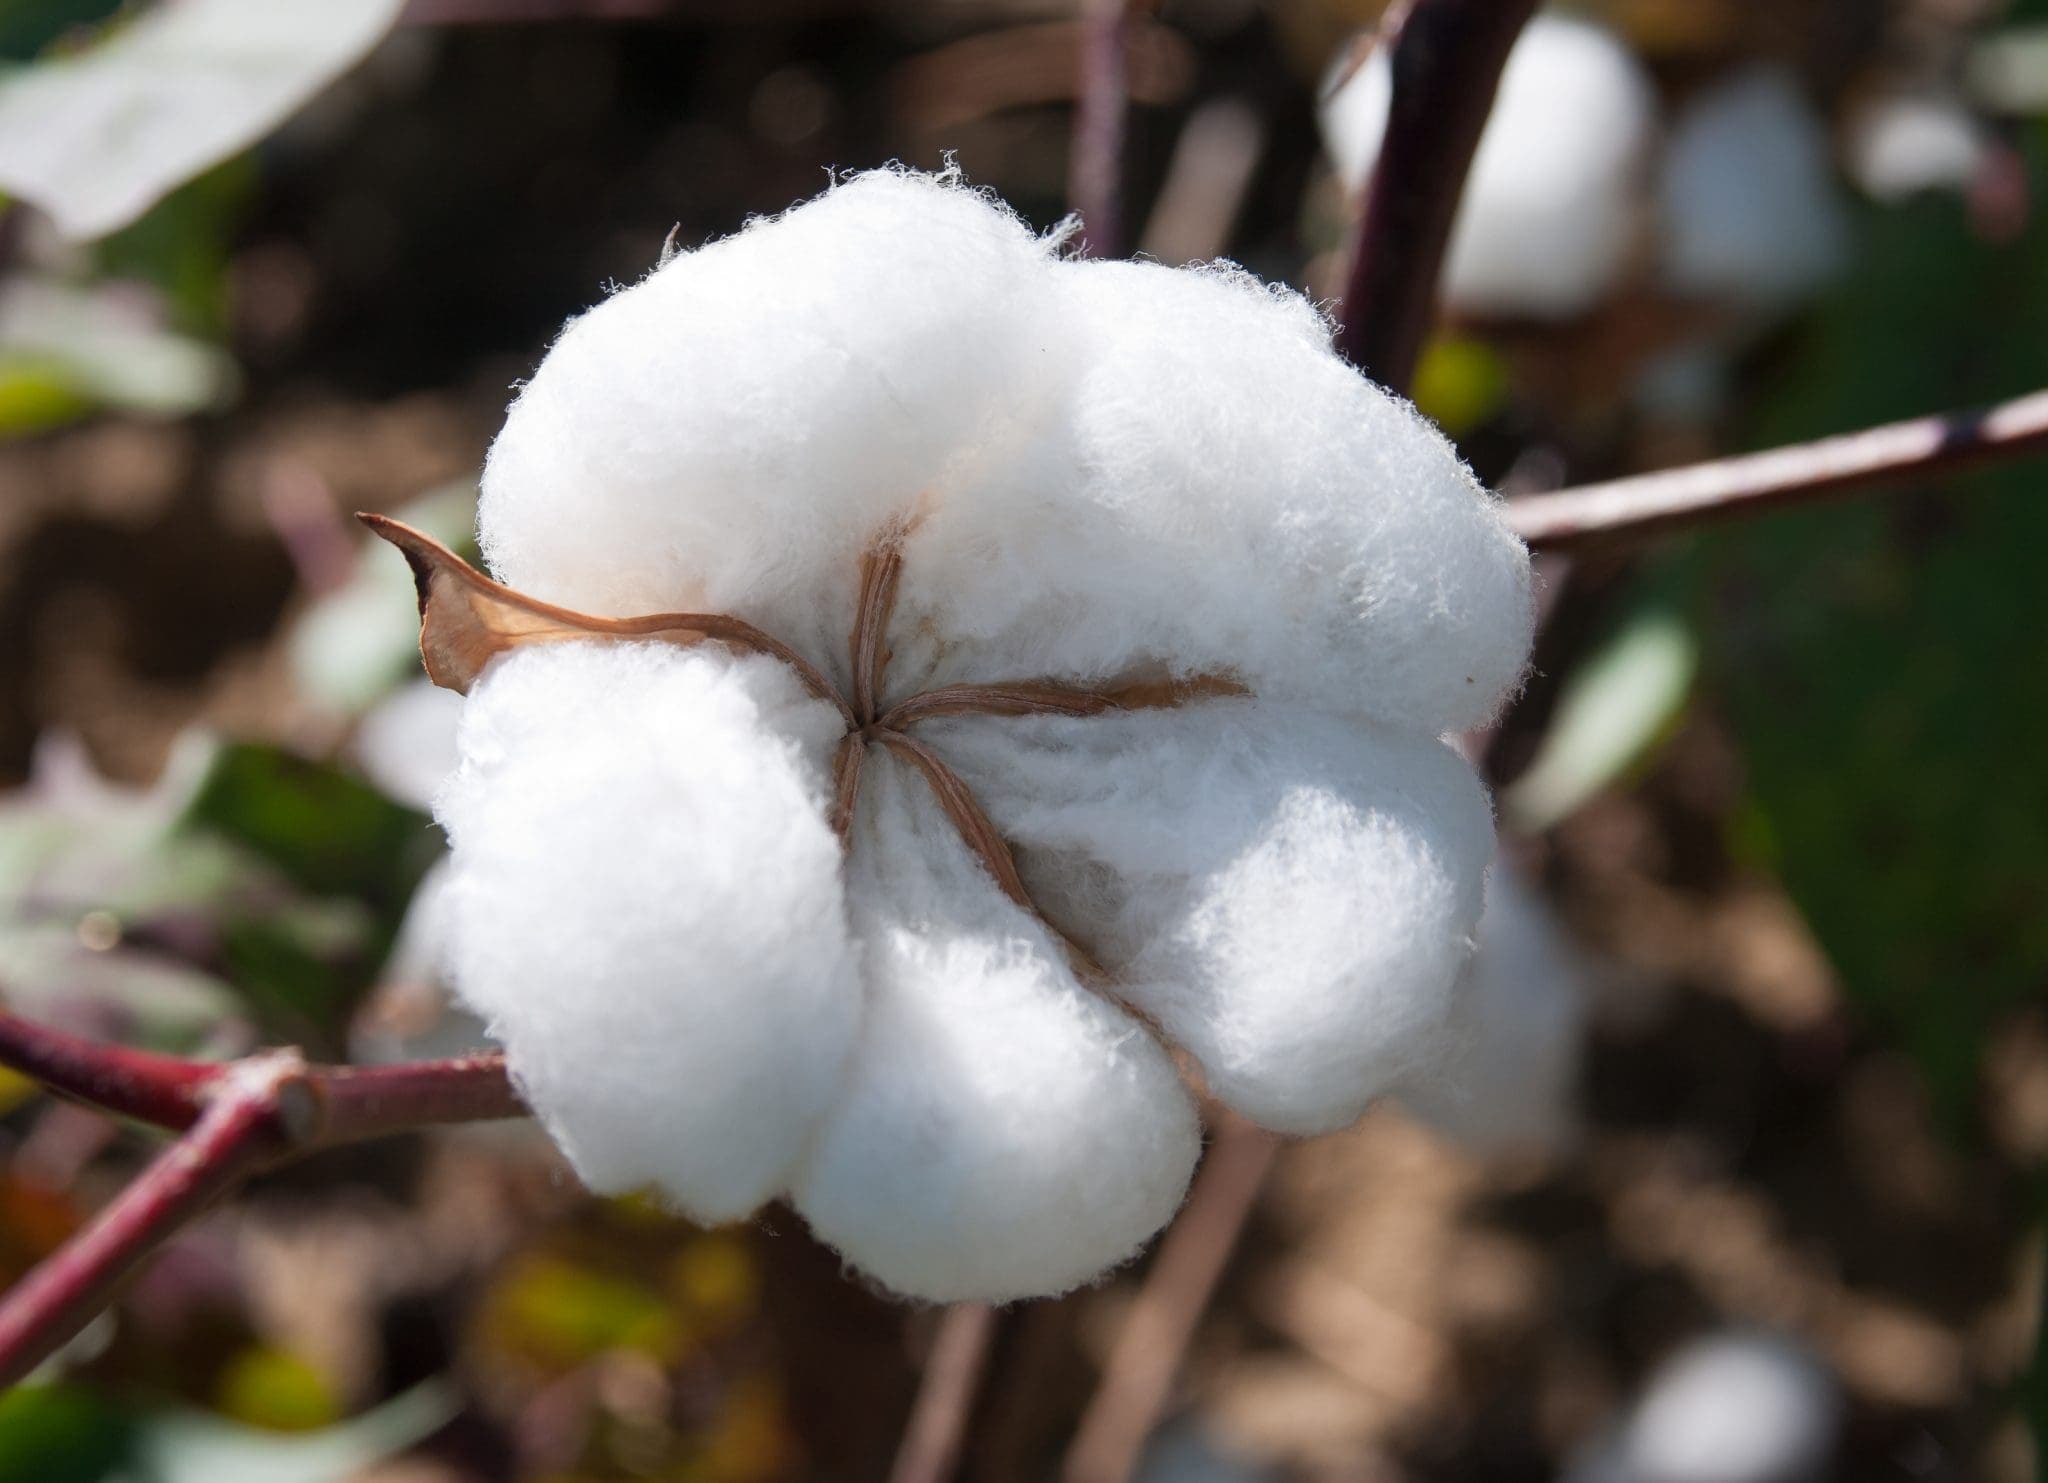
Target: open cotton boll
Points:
(730, 432)
(1548, 217)
(1005, 1132)
(1506, 1084)
(1290, 895)
(1238, 500)
(1751, 213)
(646, 908)
(923, 454)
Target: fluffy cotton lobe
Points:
(1104, 477)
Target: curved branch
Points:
(235, 1118)
(1755, 483)
(236, 1133)
(1446, 57)
(165, 1090)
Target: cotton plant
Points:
(1020, 672)
(1554, 204)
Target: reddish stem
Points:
(1446, 57)
(1102, 107)
(164, 1090)
(235, 1117)
(237, 1131)
(1755, 483)
(360, 1102)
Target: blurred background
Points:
(1746, 1182)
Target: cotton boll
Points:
(1907, 144)
(1549, 212)
(1241, 501)
(1291, 896)
(1735, 1407)
(406, 745)
(646, 907)
(1004, 1131)
(1506, 1084)
(1750, 211)
(729, 433)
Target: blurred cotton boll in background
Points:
(1520, 1022)
(1910, 143)
(1551, 205)
(406, 745)
(1751, 214)
(1734, 1407)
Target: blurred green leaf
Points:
(356, 854)
(1883, 662)
(65, 1434)
(64, 349)
(562, 1314)
(276, 1390)
(180, 246)
(1619, 703)
(59, 1434)
(328, 832)
(97, 136)
(37, 393)
(27, 26)
(132, 912)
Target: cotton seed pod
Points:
(1011, 671)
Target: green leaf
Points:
(59, 1434)
(97, 137)
(1621, 701)
(1882, 662)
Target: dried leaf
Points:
(467, 620)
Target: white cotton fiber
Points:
(646, 908)
(1906, 144)
(1551, 205)
(1240, 501)
(727, 434)
(1005, 1132)
(406, 744)
(1096, 475)
(1734, 1407)
(1751, 212)
(1112, 468)
(1506, 1081)
(1290, 895)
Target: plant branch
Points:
(235, 1118)
(1755, 483)
(1446, 57)
(235, 1133)
(1102, 107)
(1137, 1378)
(930, 1450)
(163, 1090)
